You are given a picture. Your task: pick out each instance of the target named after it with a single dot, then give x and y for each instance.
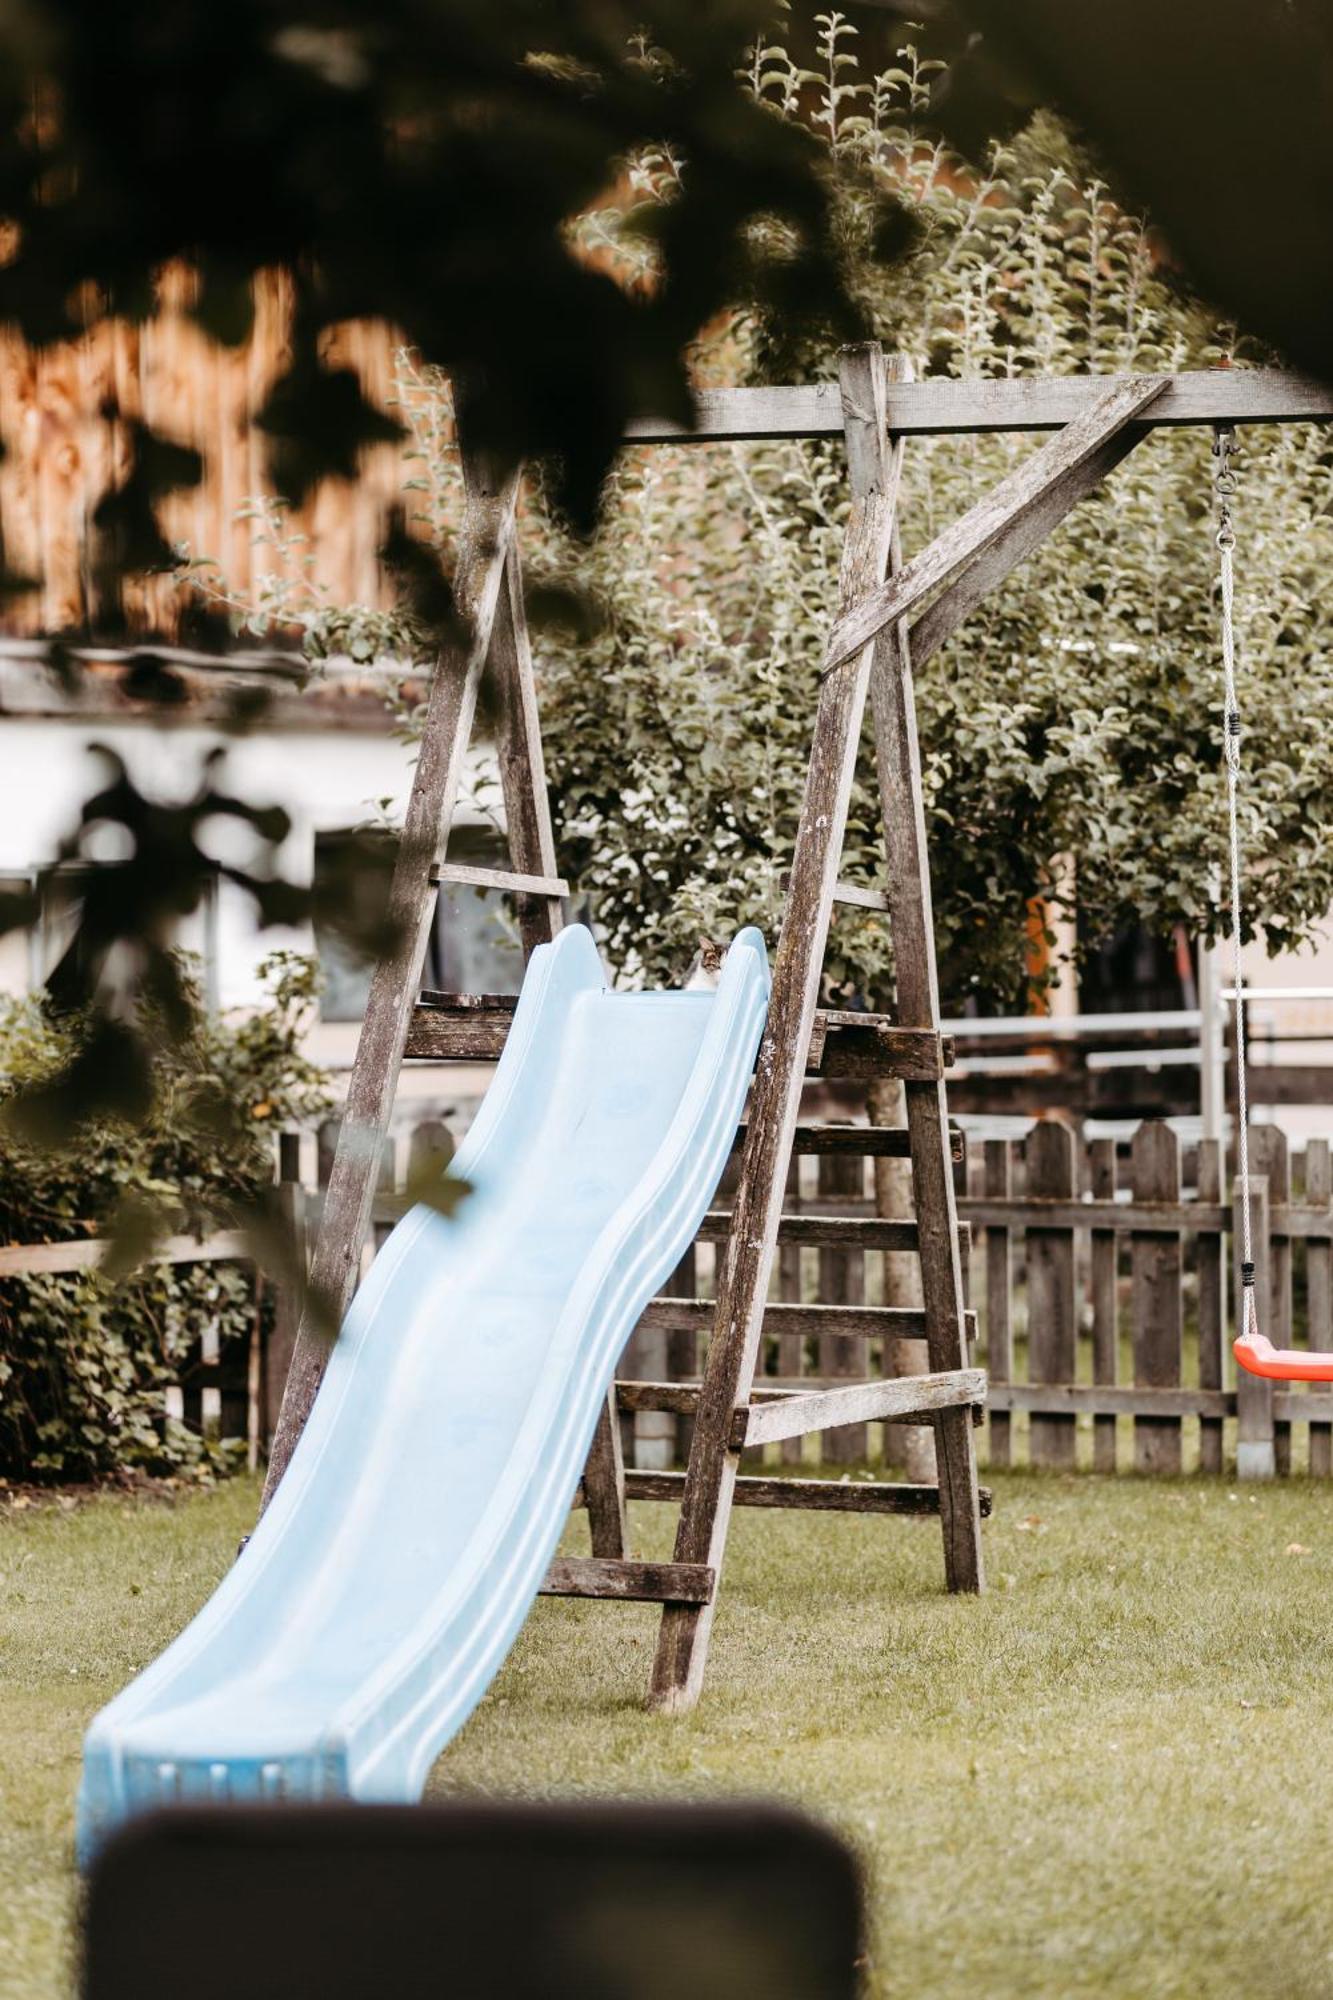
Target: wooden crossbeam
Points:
(890, 1397)
(821, 1496)
(803, 1322)
(630, 1581)
(550, 886)
(942, 407)
(993, 517)
(835, 1232)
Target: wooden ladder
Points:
(731, 1413)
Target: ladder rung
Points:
(632, 1582)
(460, 1027)
(851, 1496)
(834, 1232)
(852, 894)
(845, 1044)
(881, 1142)
(809, 1322)
(553, 886)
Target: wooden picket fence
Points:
(1101, 1280)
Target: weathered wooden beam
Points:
(804, 1322)
(22, 1260)
(861, 1045)
(450, 711)
(551, 887)
(1059, 1399)
(631, 1582)
(1026, 534)
(889, 1142)
(943, 407)
(837, 1232)
(823, 1496)
(710, 1483)
(891, 1397)
(994, 516)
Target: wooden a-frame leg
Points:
(604, 1485)
(898, 764)
(710, 1480)
(396, 980)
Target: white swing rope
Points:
(1224, 487)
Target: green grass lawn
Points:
(1109, 1776)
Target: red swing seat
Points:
(1257, 1354)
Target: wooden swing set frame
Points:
(891, 615)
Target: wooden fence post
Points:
(1270, 1156)
(1105, 1265)
(1256, 1457)
(683, 1345)
(1210, 1256)
(999, 1299)
(1052, 1326)
(1155, 1271)
(1319, 1291)
(842, 1282)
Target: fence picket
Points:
(842, 1282)
(1319, 1292)
(1103, 1273)
(1211, 1264)
(1155, 1275)
(1052, 1326)
(998, 1170)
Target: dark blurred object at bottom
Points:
(615, 1902)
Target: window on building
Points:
(46, 957)
(1136, 972)
(473, 948)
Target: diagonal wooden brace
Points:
(1018, 494)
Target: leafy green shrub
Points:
(86, 1358)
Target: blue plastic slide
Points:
(399, 1557)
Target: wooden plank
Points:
(802, 1322)
(851, 1232)
(631, 1582)
(887, 1397)
(21, 1260)
(997, 1166)
(1157, 1311)
(866, 1045)
(941, 619)
(824, 1496)
(994, 516)
(518, 742)
(447, 728)
(858, 898)
(1210, 1256)
(548, 887)
(1270, 1157)
(1103, 1274)
(710, 1482)
(604, 1486)
(281, 1343)
(842, 1282)
(1052, 1324)
(1319, 1292)
(437, 1035)
(791, 1331)
(1145, 1218)
(1255, 1456)
(1073, 1399)
(683, 1344)
(907, 881)
(942, 407)
(886, 1142)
